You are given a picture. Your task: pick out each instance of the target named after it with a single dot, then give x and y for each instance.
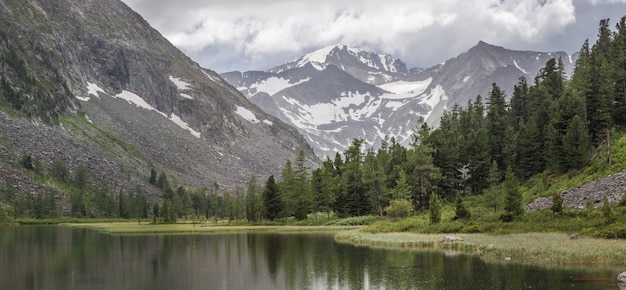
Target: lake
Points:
(57, 257)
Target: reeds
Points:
(533, 248)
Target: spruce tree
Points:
(434, 208)
(618, 72)
(271, 199)
(513, 201)
(575, 145)
(460, 211)
(374, 179)
(497, 124)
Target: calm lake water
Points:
(55, 257)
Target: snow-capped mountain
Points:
(366, 66)
(337, 93)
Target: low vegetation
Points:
(535, 248)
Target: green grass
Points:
(187, 228)
(531, 248)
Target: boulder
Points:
(621, 280)
(451, 239)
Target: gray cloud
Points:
(251, 34)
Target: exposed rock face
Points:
(125, 100)
(590, 194)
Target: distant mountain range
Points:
(338, 93)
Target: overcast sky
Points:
(226, 35)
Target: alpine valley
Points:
(338, 93)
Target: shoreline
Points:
(544, 249)
(189, 228)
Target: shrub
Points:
(399, 208)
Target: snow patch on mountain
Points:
(402, 87)
(92, 90)
(518, 67)
(274, 85)
(246, 114)
(180, 84)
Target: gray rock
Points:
(587, 195)
(621, 280)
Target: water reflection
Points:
(65, 258)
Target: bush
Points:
(399, 208)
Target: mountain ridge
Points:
(407, 94)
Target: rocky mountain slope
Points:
(339, 93)
(90, 83)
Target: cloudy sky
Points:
(226, 35)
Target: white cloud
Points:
(260, 34)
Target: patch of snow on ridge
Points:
(210, 76)
(139, 102)
(518, 67)
(186, 96)
(180, 84)
(136, 100)
(316, 57)
(401, 87)
(274, 85)
(246, 114)
(92, 90)
(178, 121)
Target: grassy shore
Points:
(532, 248)
(189, 228)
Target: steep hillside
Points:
(91, 84)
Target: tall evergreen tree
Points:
(356, 201)
(618, 72)
(252, 206)
(303, 196)
(324, 186)
(513, 201)
(575, 145)
(497, 124)
(519, 103)
(374, 180)
(271, 199)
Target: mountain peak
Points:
(347, 59)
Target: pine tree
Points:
(402, 189)
(356, 201)
(252, 206)
(492, 194)
(557, 203)
(271, 199)
(153, 177)
(434, 209)
(324, 184)
(575, 145)
(422, 174)
(497, 124)
(460, 211)
(519, 103)
(513, 201)
(374, 180)
(303, 185)
(618, 72)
